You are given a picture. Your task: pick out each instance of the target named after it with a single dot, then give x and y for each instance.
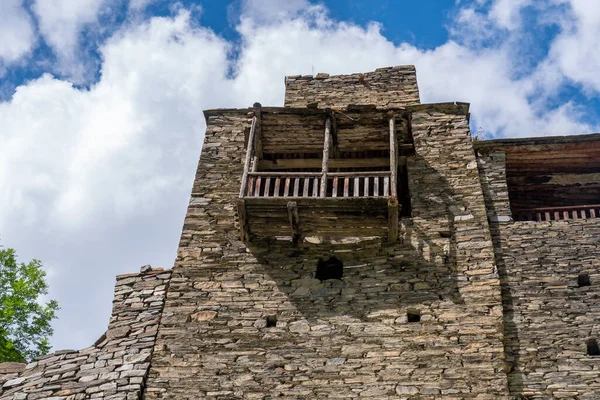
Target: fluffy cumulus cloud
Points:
(17, 35)
(95, 181)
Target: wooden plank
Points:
(305, 188)
(356, 186)
(277, 184)
(284, 174)
(386, 186)
(376, 186)
(296, 186)
(292, 208)
(393, 158)
(243, 219)
(325, 165)
(565, 215)
(267, 187)
(314, 163)
(335, 187)
(315, 192)
(250, 186)
(592, 213)
(249, 153)
(366, 182)
(547, 215)
(286, 189)
(257, 187)
(556, 215)
(346, 186)
(352, 174)
(393, 212)
(258, 147)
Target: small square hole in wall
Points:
(583, 280)
(271, 321)
(592, 348)
(413, 316)
(330, 269)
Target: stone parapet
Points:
(117, 365)
(385, 87)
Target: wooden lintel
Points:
(393, 212)
(258, 147)
(243, 216)
(292, 208)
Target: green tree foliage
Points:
(24, 321)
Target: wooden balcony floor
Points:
(324, 217)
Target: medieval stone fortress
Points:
(358, 244)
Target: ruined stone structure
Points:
(358, 244)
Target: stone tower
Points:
(358, 244)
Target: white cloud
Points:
(95, 182)
(16, 31)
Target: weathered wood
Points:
(277, 185)
(366, 182)
(314, 163)
(325, 165)
(258, 147)
(346, 186)
(305, 188)
(393, 159)
(250, 186)
(386, 186)
(393, 212)
(335, 187)
(294, 218)
(358, 173)
(376, 186)
(257, 188)
(267, 186)
(315, 192)
(296, 186)
(286, 189)
(249, 153)
(284, 174)
(243, 219)
(356, 186)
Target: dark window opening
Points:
(413, 316)
(330, 269)
(583, 280)
(271, 321)
(592, 348)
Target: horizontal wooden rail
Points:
(558, 213)
(308, 184)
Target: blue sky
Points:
(100, 105)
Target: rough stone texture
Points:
(385, 87)
(336, 339)
(116, 366)
(548, 318)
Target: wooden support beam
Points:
(249, 153)
(334, 137)
(243, 217)
(292, 208)
(258, 147)
(393, 212)
(325, 165)
(393, 159)
(313, 163)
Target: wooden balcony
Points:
(325, 203)
(558, 213)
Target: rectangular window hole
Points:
(583, 280)
(413, 316)
(271, 321)
(592, 348)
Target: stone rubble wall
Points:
(385, 87)
(10, 370)
(547, 317)
(333, 339)
(117, 365)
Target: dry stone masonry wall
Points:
(117, 365)
(385, 87)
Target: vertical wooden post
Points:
(249, 153)
(393, 211)
(257, 142)
(326, 147)
(393, 159)
(292, 208)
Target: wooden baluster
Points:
(556, 215)
(366, 186)
(325, 164)
(547, 215)
(249, 153)
(277, 184)
(538, 216)
(346, 186)
(583, 213)
(286, 189)
(257, 188)
(250, 186)
(296, 186)
(376, 186)
(356, 186)
(267, 187)
(574, 214)
(592, 213)
(305, 188)
(386, 186)
(335, 186)
(315, 192)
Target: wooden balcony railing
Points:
(308, 184)
(558, 213)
